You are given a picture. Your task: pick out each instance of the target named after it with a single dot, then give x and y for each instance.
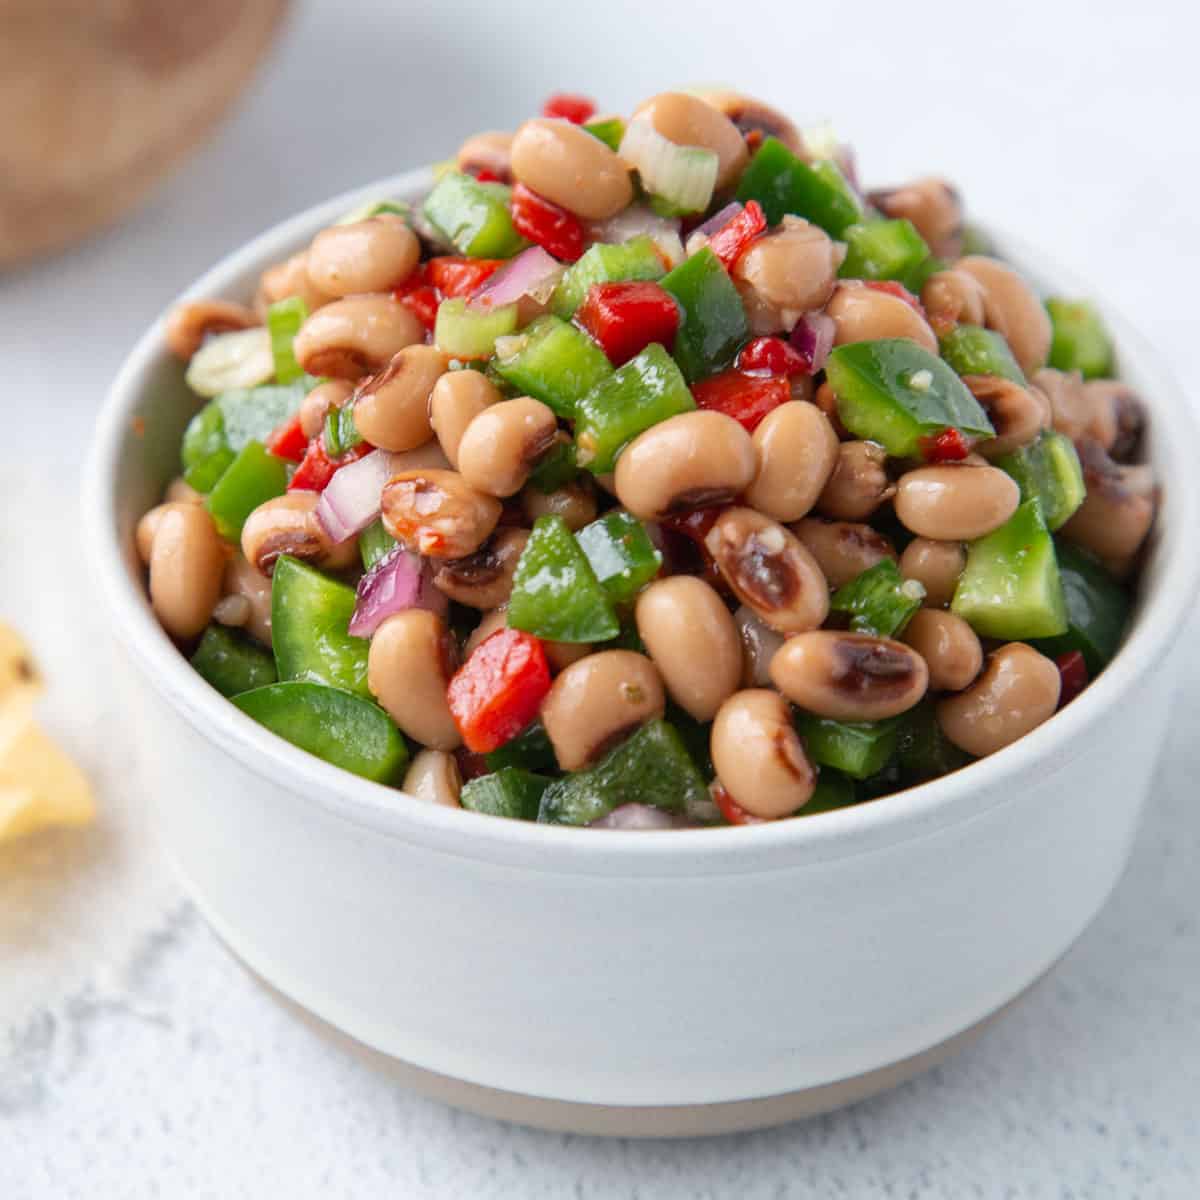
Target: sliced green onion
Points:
(682, 177)
(284, 319)
(241, 359)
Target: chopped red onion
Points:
(351, 500)
(397, 582)
(813, 339)
(640, 816)
(532, 273)
(719, 219)
(634, 221)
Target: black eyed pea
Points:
(246, 582)
(826, 400)
(179, 491)
(188, 324)
(187, 562)
(1115, 416)
(457, 399)
(692, 640)
(571, 168)
(356, 336)
(842, 549)
(934, 208)
(1018, 414)
(864, 314)
(409, 666)
(688, 461)
(758, 756)
(859, 483)
(1012, 308)
(288, 525)
(797, 451)
(935, 565)
(948, 645)
(687, 120)
(768, 570)
(365, 256)
(437, 513)
(955, 503)
(491, 152)
(147, 527)
(500, 446)
(1017, 691)
(755, 120)
(391, 409)
(316, 406)
(759, 643)
(849, 676)
(484, 579)
(433, 776)
(786, 273)
(575, 502)
(951, 298)
(560, 655)
(288, 278)
(597, 701)
(1070, 410)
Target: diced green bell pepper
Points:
(712, 318)
(470, 333)
(972, 350)
(553, 362)
(894, 392)
(284, 319)
(833, 791)
(310, 618)
(1011, 588)
(880, 601)
(646, 390)
(610, 131)
(341, 433)
(375, 543)
(859, 749)
(1097, 610)
(605, 263)
(474, 216)
(232, 662)
(555, 594)
(650, 767)
(783, 183)
(340, 727)
(621, 554)
(508, 792)
(531, 750)
(253, 478)
(555, 469)
(925, 752)
(1048, 471)
(883, 249)
(1080, 341)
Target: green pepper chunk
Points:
(651, 766)
(783, 183)
(925, 752)
(341, 433)
(883, 250)
(310, 618)
(856, 748)
(530, 750)
(555, 594)
(621, 554)
(375, 543)
(474, 216)
(470, 333)
(553, 362)
(555, 469)
(232, 662)
(508, 792)
(646, 390)
(712, 318)
(1048, 471)
(254, 477)
(1097, 610)
(894, 392)
(971, 350)
(1080, 342)
(610, 131)
(1011, 588)
(339, 727)
(284, 319)
(833, 791)
(880, 601)
(636, 259)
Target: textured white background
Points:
(135, 1057)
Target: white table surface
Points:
(136, 1057)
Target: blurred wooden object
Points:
(99, 99)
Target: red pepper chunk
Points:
(455, 276)
(317, 468)
(731, 810)
(626, 317)
(771, 356)
(1072, 669)
(745, 398)
(557, 231)
(419, 296)
(947, 446)
(288, 441)
(499, 689)
(569, 106)
(731, 240)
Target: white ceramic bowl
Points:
(647, 983)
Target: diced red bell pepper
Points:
(557, 231)
(771, 356)
(893, 288)
(569, 106)
(317, 468)
(288, 441)
(626, 317)
(1072, 669)
(417, 294)
(731, 810)
(731, 240)
(745, 398)
(499, 689)
(456, 276)
(483, 175)
(947, 446)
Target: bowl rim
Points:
(915, 812)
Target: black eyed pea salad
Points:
(650, 473)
